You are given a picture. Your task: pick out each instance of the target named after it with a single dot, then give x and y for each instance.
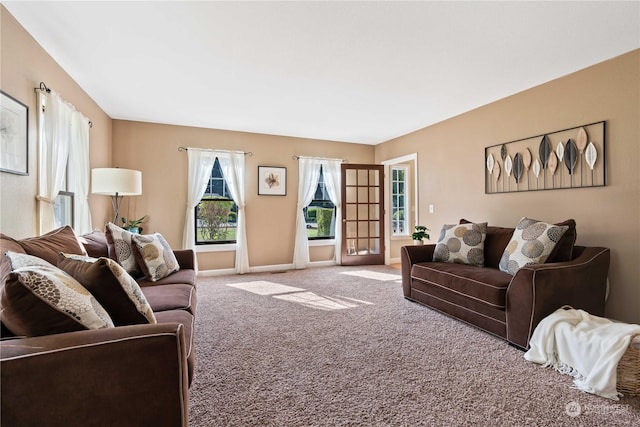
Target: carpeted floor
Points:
(318, 347)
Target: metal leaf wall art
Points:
(580, 149)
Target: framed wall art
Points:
(563, 159)
(14, 141)
(272, 181)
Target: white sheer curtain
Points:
(308, 176)
(79, 171)
(331, 170)
(233, 171)
(53, 151)
(200, 166)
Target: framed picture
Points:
(14, 142)
(272, 181)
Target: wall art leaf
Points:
(503, 151)
(581, 140)
(518, 167)
(496, 171)
(591, 154)
(536, 168)
(553, 163)
(571, 155)
(508, 165)
(544, 150)
(490, 163)
(526, 158)
(560, 151)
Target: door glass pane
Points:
(374, 247)
(374, 229)
(351, 247)
(363, 246)
(362, 177)
(351, 177)
(352, 212)
(374, 178)
(363, 229)
(374, 195)
(363, 212)
(374, 211)
(351, 194)
(363, 194)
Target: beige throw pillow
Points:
(461, 243)
(155, 256)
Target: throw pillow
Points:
(531, 243)
(119, 242)
(463, 244)
(155, 256)
(43, 300)
(19, 260)
(49, 245)
(112, 286)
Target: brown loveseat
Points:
(134, 375)
(499, 303)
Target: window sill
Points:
(322, 242)
(224, 247)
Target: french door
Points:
(362, 214)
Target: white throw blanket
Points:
(584, 346)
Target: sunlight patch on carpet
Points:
(310, 299)
(384, 277)
(263, 287)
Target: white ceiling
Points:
(362, 72)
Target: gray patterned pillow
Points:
(461, 243)
(43, 300)
(18, 260)
(531, 243)
(113, 287)
(155, 256)
(119, 241)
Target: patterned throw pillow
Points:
(155, 256)
(462, 244)
(119, 241)
(112, 286)
(19, 260)
(531, 243)
(43, 300)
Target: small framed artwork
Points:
(272, 181)
(14, 141)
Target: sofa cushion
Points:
(531, 243)
(154, 256)
(187, 276)
(43, 300)
(95, 243)
(187, 320)
(485, 285)
(174, 296)
(462, 244)
(112, 286)
(119, 246)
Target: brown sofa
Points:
(508, 306)
(131, 375)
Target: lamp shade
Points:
(112, 181)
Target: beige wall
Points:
(451, 166)
(24, 64)
(153, 149)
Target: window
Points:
(399, 201)
(217, 213)
(320, 215)
(63, 203)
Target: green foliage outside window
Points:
(324, 217)
(214, 219)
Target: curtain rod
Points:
(43, 87)
(246, 153)
(317, 158)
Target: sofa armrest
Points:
(186, 258)
(537, 291)
(410, 255)
(128, 375)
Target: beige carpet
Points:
(319, 347)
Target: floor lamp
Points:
(117, 183)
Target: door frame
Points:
(413, 157)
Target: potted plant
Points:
(419, 234)
(133, 225)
